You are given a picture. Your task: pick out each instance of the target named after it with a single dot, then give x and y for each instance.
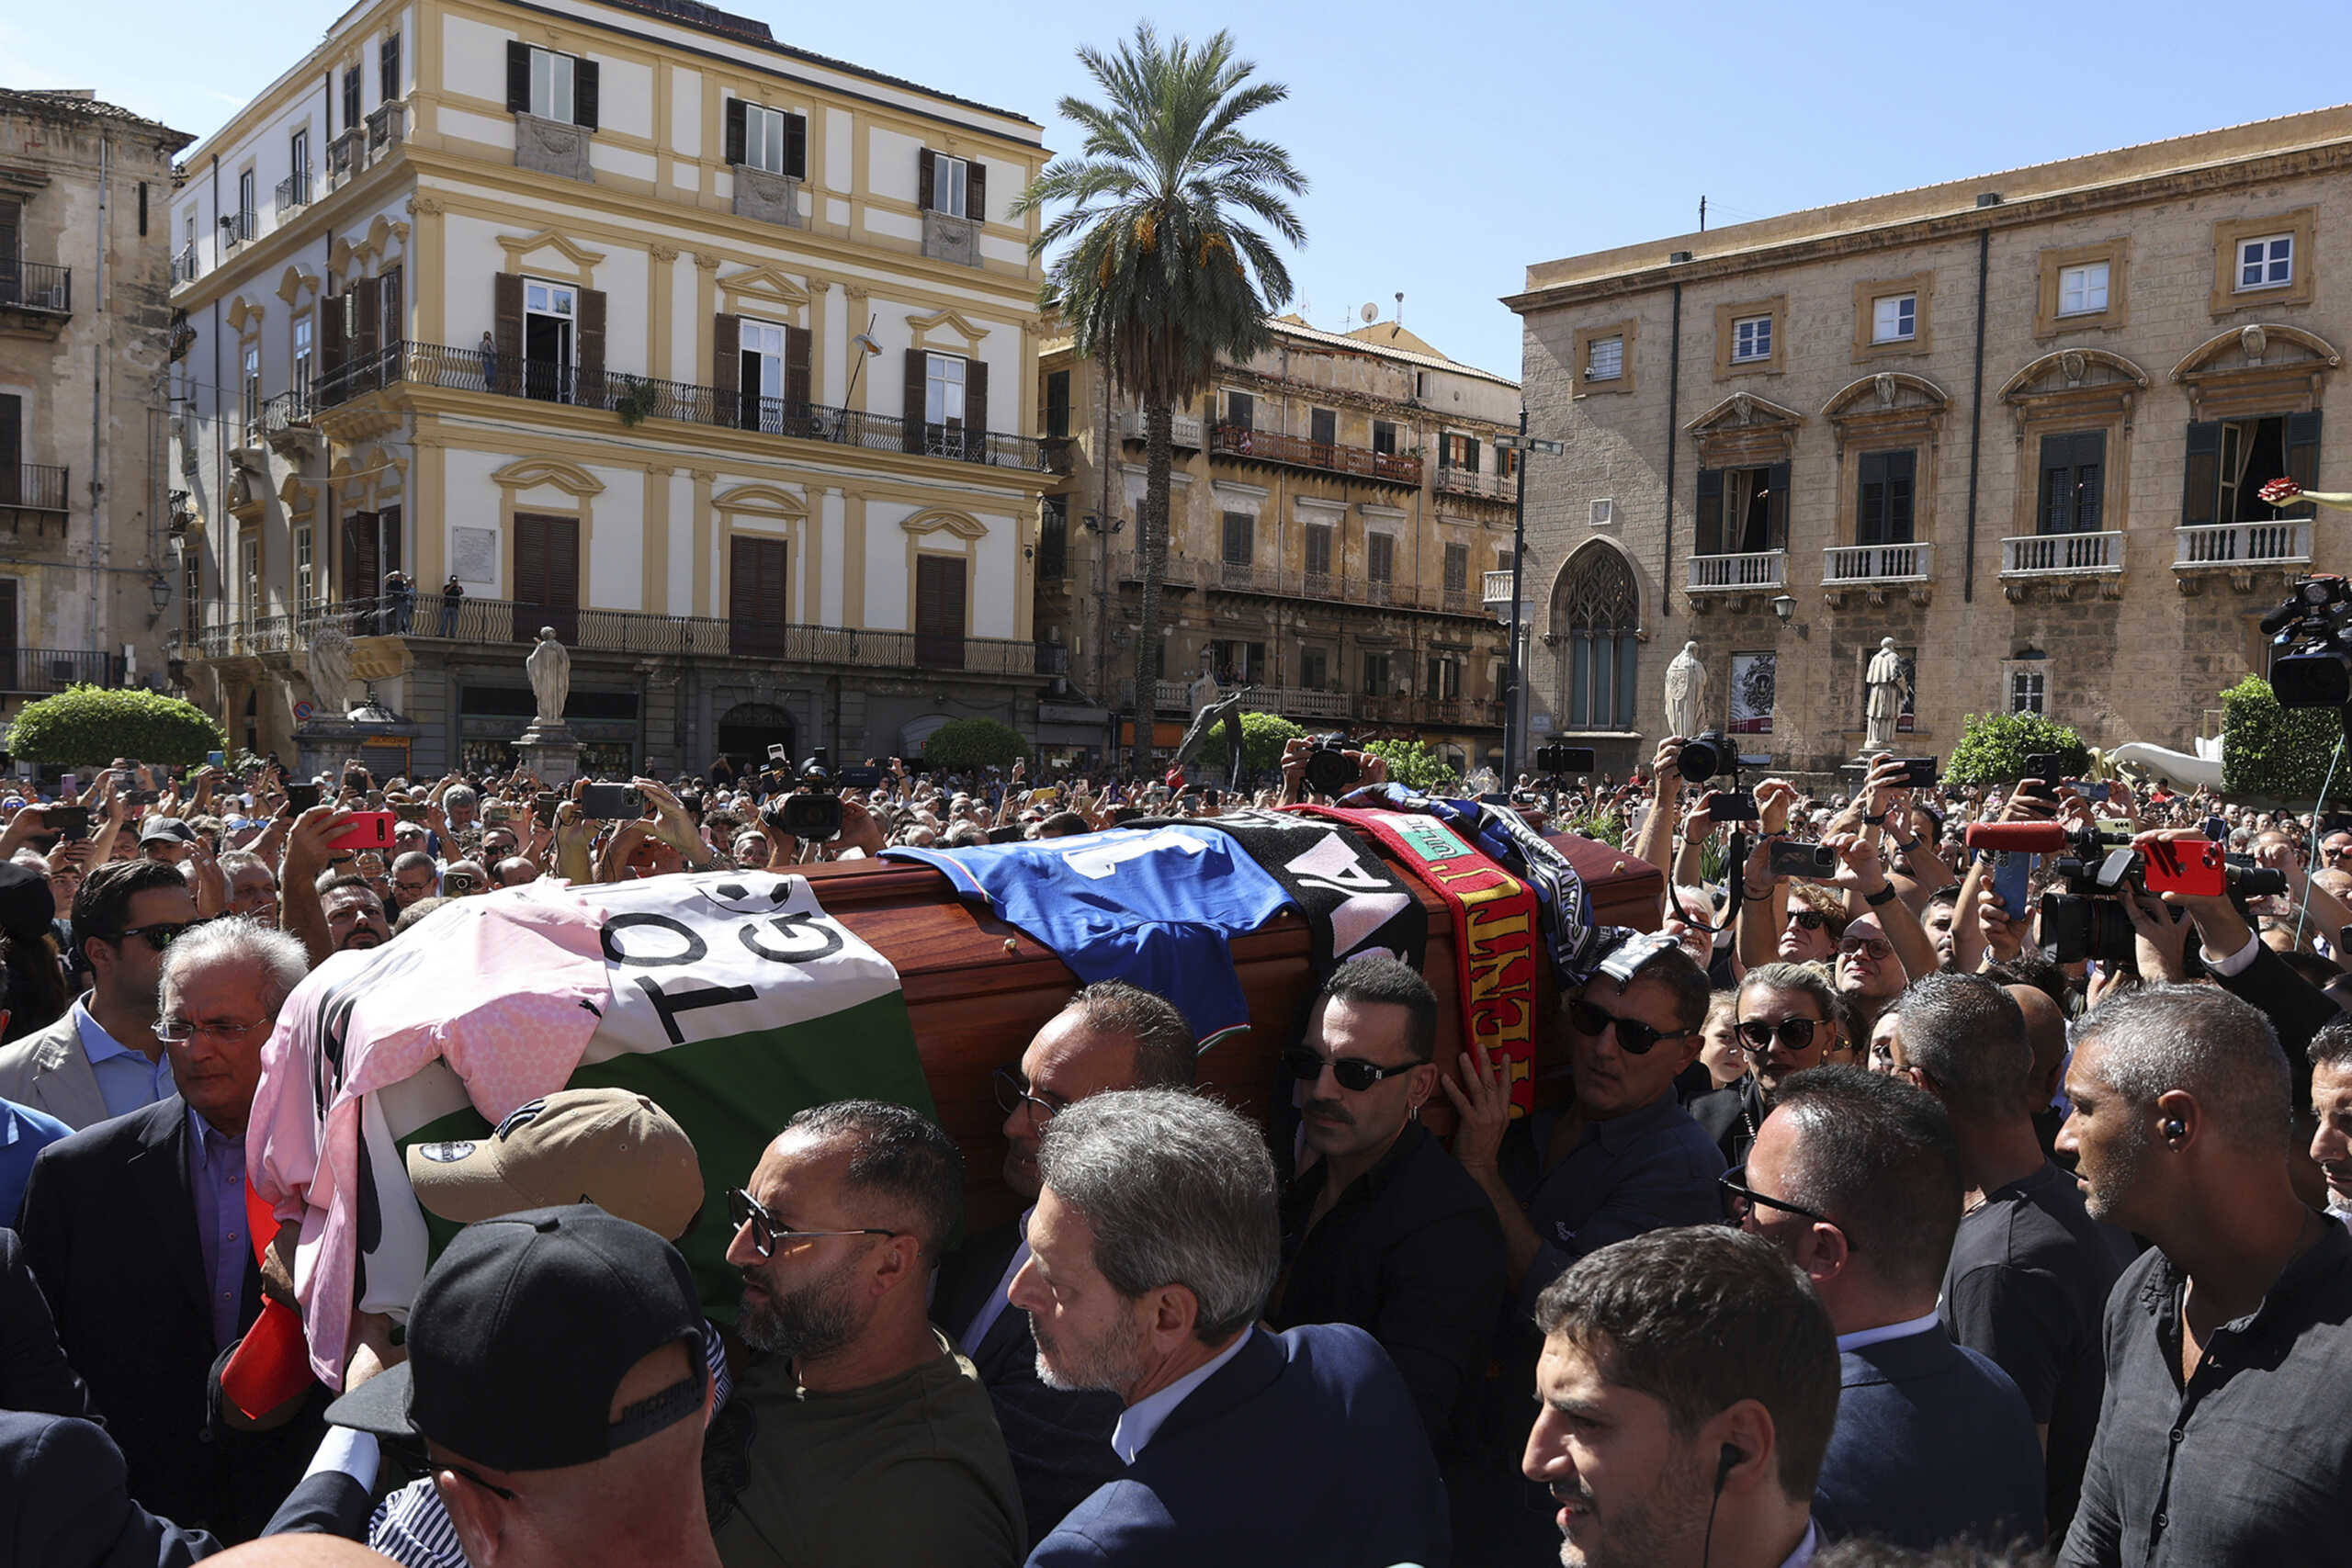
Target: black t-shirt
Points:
(2027, 1286)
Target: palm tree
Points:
(1164, 273)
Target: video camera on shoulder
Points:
(2311, 644)
(2083, 917)
(1330, 769)
(812, 812)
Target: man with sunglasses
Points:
(856, 1435)
(1110, 1035)
(102, 1059)
(138, 1231)
(1855, 1177)
(1384, 1230)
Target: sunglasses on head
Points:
(1634, 1036)
(1793, 1034)
(1351, 1073)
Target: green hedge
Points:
(1994, 745)
(2276, 754)
(963, 743)
(87, 725)
(1263, 735)
(1416, 766)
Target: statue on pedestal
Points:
(551, 671)
(1685, 694)
(1887, 689)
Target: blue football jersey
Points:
(1151, 906)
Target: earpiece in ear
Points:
(1725, 1465)
(2175, 1128)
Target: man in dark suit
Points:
(136, 1229)
(1856, 1178)
(1153, 1247)
(34, 1374)
(1111, 1035)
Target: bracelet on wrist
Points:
(1873, 821)
(1881, 898)
(1752, 896)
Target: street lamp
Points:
(1525, 445)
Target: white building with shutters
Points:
(626, 319)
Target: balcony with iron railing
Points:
(1322, 457)
(1750, 571)
(184, 265)
(2285, 541)
(1478, 486)
(486, 622)
(33, 487)
(36, 288)
(236, 228)
(2063, 555)
(293, 193)
(638, 398)
(1183, 430)
(1856, 566)
(1280, 582)
(39, 671)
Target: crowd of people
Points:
(1863, 1222)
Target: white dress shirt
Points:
(999, 1298)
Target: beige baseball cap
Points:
(606, 1147)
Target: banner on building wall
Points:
(1752, 679)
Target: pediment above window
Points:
(2262, 369)
(1745, 428)
(2075, 382)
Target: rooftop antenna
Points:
(1702, 215)
(1399, 323)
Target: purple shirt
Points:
(216, 1175)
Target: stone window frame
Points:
(1869, 292)
(2228, 300)
(1728, 316)
(1585, 337)
(2116, 253)
(2011, 669)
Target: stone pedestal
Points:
(551, 751)
(322, 745)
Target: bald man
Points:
(2046, 1031)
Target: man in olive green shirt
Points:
(856, 1435)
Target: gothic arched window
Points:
(1600, 611)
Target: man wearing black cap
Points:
(167, 838)
(556, 1381)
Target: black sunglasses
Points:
(1353, 1073)
(742, 1209)
(1811, 919)
(1632, 1036)
(1739, 1198)
(159, 934)
(1793, 1034)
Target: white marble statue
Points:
(330, 671)
(551, 671)
(1685, 694)
(1887, 690)
(1201, 692)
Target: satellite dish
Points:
(1371, 312)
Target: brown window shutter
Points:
(795, 146)
(368, 304)
(12, 447)
(329, 377)
(583, 94)
(925, 162)
(387, 529)
(507, 335)
(939, 612)
(795, 368)
(976, 190)
(518, 76)
(755, 600)
(727, 364)
(563, 563)
(918, 365)
(592, 348)
(394, 306)
(735, 134)
(530, 584)
(975, 410)
(363, 574)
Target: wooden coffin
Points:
(977, 989)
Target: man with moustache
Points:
(1110, 1035)
(856, 1435)
(2222, 1436)
(1385, 1230)
(1689, 1387)
(2331, 1059)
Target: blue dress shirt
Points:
(127, 1081)
(216, 1175)
(24, 1132)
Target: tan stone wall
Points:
(2135, 657)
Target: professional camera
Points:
(2310, 645)
(1556, 759)
(1705, 757)
(812, 812)
(1330, 769)
(2085, 917)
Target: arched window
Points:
(1600, 609)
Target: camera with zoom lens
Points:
(1330, 769)
(812, 812)
(1705, 757)
(1556, 760)
(2310, 645)
(2084, 917)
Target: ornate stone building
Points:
(2017, 423)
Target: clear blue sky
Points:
(1450, 148)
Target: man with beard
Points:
(355, 915)
(1111, 1035)
(2222, 1436)
(856, 1435)
(1154, 1247)
(1689, 1386)
(1385, 1230)
(2331, 1058)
